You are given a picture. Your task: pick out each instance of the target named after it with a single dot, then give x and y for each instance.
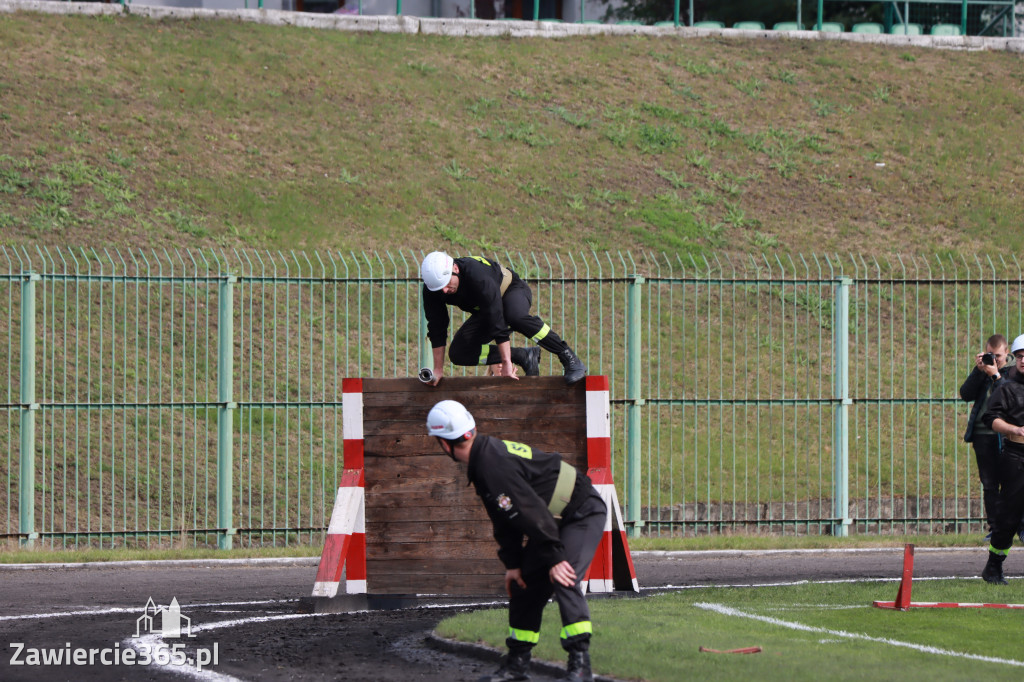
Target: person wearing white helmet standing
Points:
(499, 303)
(1005, 416)
(534, 495)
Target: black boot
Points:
(574, 367)
(993, 571)
(514, 667)
(578, 667)
(528, 359)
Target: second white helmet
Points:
(449, 419)
(436, 270)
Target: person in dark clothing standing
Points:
(1005, 416)
(989, 371)
(534, 495)
(499, 303)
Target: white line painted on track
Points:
(135, 609)
(730, 611)
(790, 583)
(759, 552)
(157, 563)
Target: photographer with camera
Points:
(989, 371)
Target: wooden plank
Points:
(387, 532)
(407, 445)
(417, 413)
(437, 566)
(522, 425)
(473, 384)
(467, 548)
(431, 513)
(490, 586)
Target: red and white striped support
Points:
(612, 566)
(346, 535)
(346, 540)
(902, 602)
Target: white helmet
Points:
(436, 270)
(449, 419)
(1018, 344)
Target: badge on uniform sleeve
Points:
(504, 503)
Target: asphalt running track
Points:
(248, 614)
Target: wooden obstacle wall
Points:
(426, 529)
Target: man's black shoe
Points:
(993, 571)
(574, 367)
(578, 667)
(514, 667)
(531, 363)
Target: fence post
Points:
(27, 463)
(841, 417)
(225, 425)
(633, 404)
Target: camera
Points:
(987, 359)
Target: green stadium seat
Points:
(665, 23)
(749, 25)
(911, 29)
(708, 24)
(946, 30)
(867, 27)
(788, 26)
(832, 27)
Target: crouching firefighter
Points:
(531, 494)
(498, 302)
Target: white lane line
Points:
(791, 583)
(730, 611)
(136, 609)
(157, 563)
(670, 553)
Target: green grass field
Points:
(809, 631)
(216, 133)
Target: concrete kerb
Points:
(453, 27)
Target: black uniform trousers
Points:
(986, 453)
(1011, 498)
(469, 344)
(580, 535)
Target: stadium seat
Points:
(911, 29)
(832, 27)
(708, 24)
(665, 23)
(867, 27)
(788, 26)
(945, 30)
(749, 25)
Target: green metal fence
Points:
(193, 397)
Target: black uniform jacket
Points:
(516, 483)
(1007, 403)
(479, 292)
(975, 386)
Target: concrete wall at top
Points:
(407, 23)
